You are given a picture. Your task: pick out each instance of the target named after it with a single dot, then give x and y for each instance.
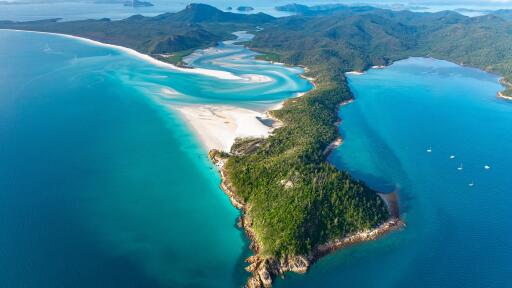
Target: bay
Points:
(457, 235)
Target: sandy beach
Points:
(217, 126)
(213, 73)
(355, 73)
(503, 96)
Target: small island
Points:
(293, 8)
(245, 8)
(126, 3)
(317, 9)
(137, 3)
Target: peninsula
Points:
(295, 206)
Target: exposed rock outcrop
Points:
(264, 269)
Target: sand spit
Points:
(207, 72)
(217, 126)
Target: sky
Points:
(71, 10)
(433, 2)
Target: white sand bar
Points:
(254, 78)
(208, 72)
(355, 73)
(219, 125)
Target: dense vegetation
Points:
(355, 38)
(295, 199)
(324, 203)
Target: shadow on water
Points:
(388, 176)
(375, 182)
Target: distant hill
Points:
(137, 3)
(197, 13)
(127, 3)
(355, 38)
(244, 8)
(197, 26)
(294, 8)
(322, 9)
(504, 13)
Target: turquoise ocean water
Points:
(101, 184)
(457, 235)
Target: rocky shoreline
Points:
(336, 143)
(507, 84)
(503, 96)
(264, 269)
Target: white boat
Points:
(452, 157)
(471, 184)
(429, 150)
(460, 167)
(487, 167)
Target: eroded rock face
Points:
(263, 270)
(254, 282)
(217, 157)
(265, 277)
(297, 264)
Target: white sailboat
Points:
(471, 184)
(452, 157)
(487, 167)
(460, 167)
(429, 150)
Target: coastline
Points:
(263, 269)
(218, 126)
(207, 72)
(503, 96)
(339, 140)
(507, 85)
(355, 73)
